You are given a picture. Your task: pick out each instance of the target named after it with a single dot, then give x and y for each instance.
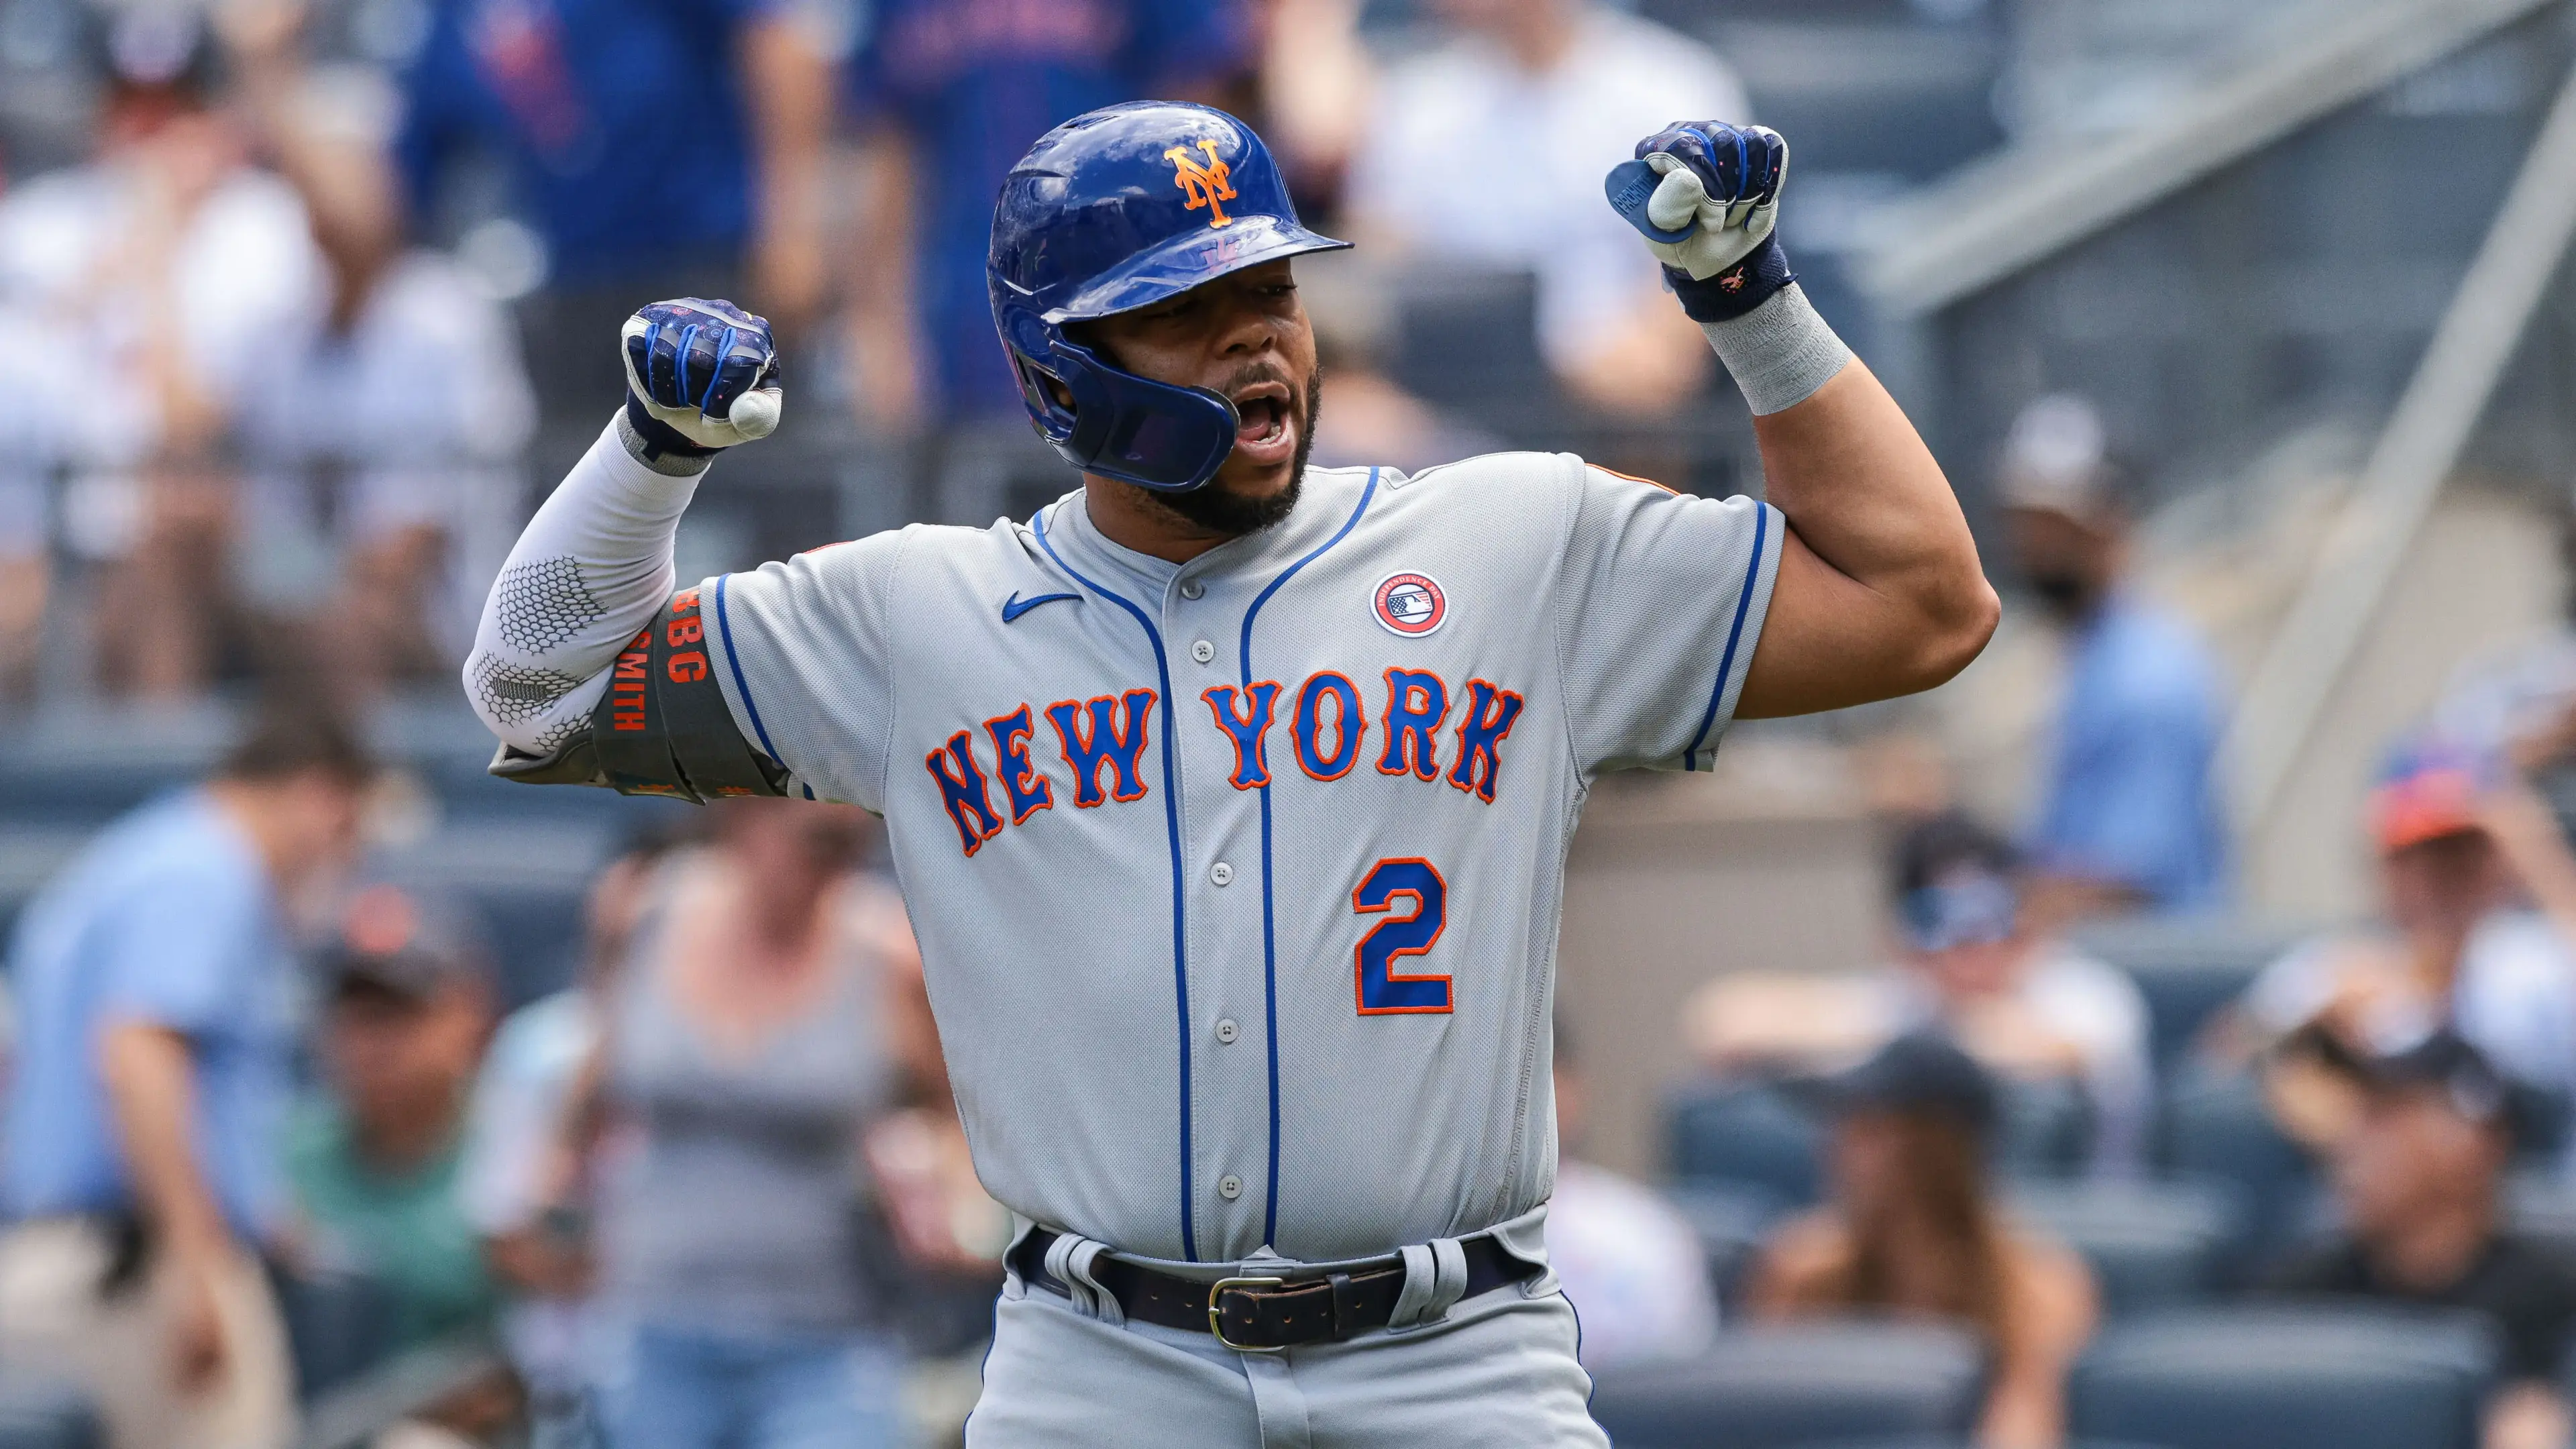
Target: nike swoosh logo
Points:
(1014, 606)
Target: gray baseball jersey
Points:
(1237, 881)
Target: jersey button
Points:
(1221, 873)
(1192, 588)
(1226, 1030)
(1203, 651)
(1229, 1187)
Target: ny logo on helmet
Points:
(1206, 184)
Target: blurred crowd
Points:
(331, 289)
(265, 1126)
(334, 281)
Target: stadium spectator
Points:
(1564, 88)
(2129, 813)
(2419, 1178)
(1630, 1264)
(2029, 1006)
(946, 95)
(768, 1006)
(540, 1256)
(395, 402)
(407, 1008)
(1910, 1229)
(157, 272)
(634, 193)
(2461, 852)
(155, 994)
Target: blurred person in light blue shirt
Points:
(2129, 812)
(155, 991)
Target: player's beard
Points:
(1221, 511)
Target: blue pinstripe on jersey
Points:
(1180, 918)
(1269, 934)
(1734, 636)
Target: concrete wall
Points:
(1673, 881)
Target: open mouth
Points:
(1261, 411)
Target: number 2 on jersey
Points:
(1382, 990)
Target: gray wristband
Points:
(668, 464)
(1780, 352)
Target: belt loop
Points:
(1450, 1283)
(1342, 1305)
(1435, 1277)
(1068, 1261)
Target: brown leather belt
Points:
(1264, 1314)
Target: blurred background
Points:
(2162, 1035)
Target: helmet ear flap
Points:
(1152, 434)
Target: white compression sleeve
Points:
(1780, 352)
(590, 570)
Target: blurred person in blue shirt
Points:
(156, 996)
(947, 94)
(2129, 812)
(673, 146)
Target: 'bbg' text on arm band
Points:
(1780, 352)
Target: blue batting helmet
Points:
(1122, 208)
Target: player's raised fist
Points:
(700, 376)
(1704, 194)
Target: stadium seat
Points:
(2215, 1127)
(37, 1413)
(1731, 1223)
(2046, 1129)
(1753, 1138)
(2151, 1244)
(2286, 1378)
(2541, 1204)
(1773, 1388)
(1745, 1136)
(2185, 969)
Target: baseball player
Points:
(1231, 797)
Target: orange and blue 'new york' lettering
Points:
(1328, 730)
(963, 792)
(1488, 717)
(1350, 726)
(1416, 702)
(1026, 789)
(1248, 728)
(1088, 744)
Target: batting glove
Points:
(700, 377)
(1705, 196)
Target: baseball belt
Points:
(1265, 1314)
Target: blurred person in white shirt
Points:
(396, 403)
(1556, 85)
(158, 273)
(1631, 1265)
(2030, 1007)
(2477, 902)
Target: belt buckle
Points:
(1216, 1325)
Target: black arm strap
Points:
(662, 728)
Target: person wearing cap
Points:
(1911, 1229)
(373, 1162)
(2031, 1007)
(156, 996)
(2460, 944)
(2419, 1175)
(2129, 813)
